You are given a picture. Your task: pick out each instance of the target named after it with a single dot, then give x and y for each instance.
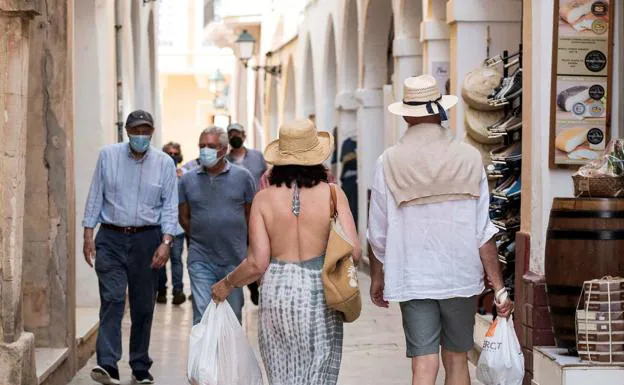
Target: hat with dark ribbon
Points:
(420, 95)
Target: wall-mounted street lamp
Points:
(217, 82)
(246, 44)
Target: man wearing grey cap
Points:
(134, 198)
(253, 161)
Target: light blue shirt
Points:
(129, 192)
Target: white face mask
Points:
(208, 157)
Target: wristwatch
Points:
(167, 242)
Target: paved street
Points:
(374, 350)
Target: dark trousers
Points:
(124, 261)
(177, 268)
(349, 186)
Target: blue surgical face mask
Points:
(140, 143)
(208, 157)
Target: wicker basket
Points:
(599, 187)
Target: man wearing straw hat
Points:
(431, 235)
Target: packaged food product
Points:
(600, 321)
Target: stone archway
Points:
(406, 55)
(290, 95)
(273, 110)
(373, 76)
(345, 101)
(349, 74)
(135, 22)
(153, 89)
(330, 88)
(408, 15)
(308, 92)
(377, 27)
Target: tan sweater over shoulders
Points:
(429, 166)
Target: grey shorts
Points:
(430, 323)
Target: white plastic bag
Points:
(501, 361)
(219, 353)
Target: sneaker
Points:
(142, 377)
(105, 374)
(178, 298)
(162, 296)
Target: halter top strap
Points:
(296, 203)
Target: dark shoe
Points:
(509, 223)
(178, 298)
(142, 377)
(162, 296)
(106, 375)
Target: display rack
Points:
(506, 164)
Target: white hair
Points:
(217, 131)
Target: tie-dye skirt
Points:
(300, 337)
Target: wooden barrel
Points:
(585, 241)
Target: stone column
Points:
(370, 131)
(49, 225)
(434, 35)
(476, 27)
(408, 62)
(17, 353)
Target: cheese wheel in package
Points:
(575, 9)
(571, 138)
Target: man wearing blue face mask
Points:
(134, 199)
(215, 201)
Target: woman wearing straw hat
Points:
(300, 336)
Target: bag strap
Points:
(332, 202)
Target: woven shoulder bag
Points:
(339, 274)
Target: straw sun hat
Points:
(299, 144)
(421, 97)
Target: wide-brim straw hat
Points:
(422, 97)
(477, 123)
(478, 84)
(299, 144)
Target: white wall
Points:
(547, 183)
(95, 104)
(94, 117)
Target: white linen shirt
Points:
(429, 251)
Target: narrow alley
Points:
(374, 347)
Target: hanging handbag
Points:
(339, 273)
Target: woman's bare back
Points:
(296, 238)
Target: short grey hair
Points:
(217, 131)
